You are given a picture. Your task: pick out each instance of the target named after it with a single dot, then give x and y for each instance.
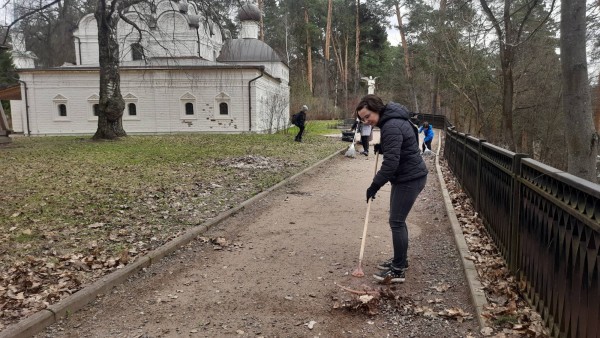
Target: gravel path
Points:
(276, 275)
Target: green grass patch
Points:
(317, 127)
(137, 192)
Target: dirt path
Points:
(278, 273)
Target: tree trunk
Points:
(357, 49)
(435, 90)
(309, 74)
(582, 139)
(327, 47)
(111, 103)
(346, 73)
(507, 96)
(328, 29)
(406, 57)
(597, 108)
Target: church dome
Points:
(249, 12)
(247, 50)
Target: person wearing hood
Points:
(427, 130)
(300, 122)
(403, 167)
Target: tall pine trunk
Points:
(111, 104)
(309, 70)
(435, 90)
(327, 47)
(357, 49)
(582, 139)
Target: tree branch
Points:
(28, 14)
(541, 23)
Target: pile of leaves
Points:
(371, 301)
(253, 162)
(508, 313)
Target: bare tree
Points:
(275, 117)
(111, 104)
(37, 8)
(509, 26)
(582, 139)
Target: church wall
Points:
(270, 96)
(16, 107)
(159, 97)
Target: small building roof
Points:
(12, 92)
(247, 50)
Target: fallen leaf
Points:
(311, 324)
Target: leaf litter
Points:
(64, 223)
(508, 313)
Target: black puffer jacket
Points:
(402, 159)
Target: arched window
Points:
(189, 108)
(222, 105)
(137, 51)
(223, 108)
(62, 110)
(132, 109)
(96, 108)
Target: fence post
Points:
(513, 263)
(478, 182)
(446, 140)
(464, 157)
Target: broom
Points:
(351, 152)
(358, 271)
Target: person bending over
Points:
(427, 130)
(403, 167)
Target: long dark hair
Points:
(372, 103)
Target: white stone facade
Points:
(175, 85)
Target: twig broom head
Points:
(351, 152)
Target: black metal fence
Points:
(545, 222)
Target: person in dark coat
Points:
(402, 166)
(300, 122)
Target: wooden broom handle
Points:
(364, 236)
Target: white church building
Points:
(182, 76)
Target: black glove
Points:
(377, 148)
(371, 191)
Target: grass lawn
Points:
(70, 204)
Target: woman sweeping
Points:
(403, 167)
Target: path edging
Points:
(46, 317)
(475, 287)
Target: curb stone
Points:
(475, 287)
(37, 322)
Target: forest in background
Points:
(456, 58)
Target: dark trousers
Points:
(299, 136)
(364, 140)
(402, 199)
(428, 143)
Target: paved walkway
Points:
(279, 272)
